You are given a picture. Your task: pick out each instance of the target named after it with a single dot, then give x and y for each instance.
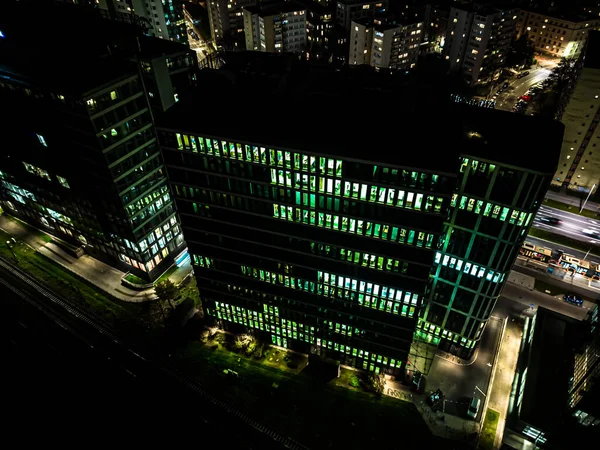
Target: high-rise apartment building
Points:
(349, 10)
(436, 23)
(227, 22)
(555, 34)
(385, 43)
(88, 167)
(332, 244)
(579, 166)
(162, 18)
(320, 20)
(478, 40)
(276, 27)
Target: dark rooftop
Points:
(545, 399)
(592, 52)
(403, 121)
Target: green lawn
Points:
(570, 208)
(40, 234)
(135, 279)
(317, 414)
(167, 274)
(563, 240)
(488, 432)
(554, 290)
(70, 285)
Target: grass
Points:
(317, 414)
(135, 280)
(563, 240)
(570, 208)
(554, 290)
(69, 285)
(488, 431)
(188, 289)
(167, 274)
(31, 230)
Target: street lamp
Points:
(9, 244)
(587, 198)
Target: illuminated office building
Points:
(348, 244)
(87, 167)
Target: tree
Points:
(522, 52)
(375, 383)
(166, 291)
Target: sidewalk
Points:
(573, 201)
(104, 277)
(504, 376)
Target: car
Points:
(591, 233)
(418, 383)
(473, 408)
(550, 220)
(505, 85)
(573, 299)
(435, 398)
(525, 98)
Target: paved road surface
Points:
(458, 382)
(525, 298)
(574, 201)
(507, 99)
(571, 225)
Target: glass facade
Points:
(94, 175)
(318, 253)
(488, 219)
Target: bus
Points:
(534, 252)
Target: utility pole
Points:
(587, 198)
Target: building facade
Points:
(163, 19)
(226, 20)
(349, 10)
(385, 44)
(88, 168)
(554, 35)
(478, 40)
(315, 244)
(579, 166)
(276, 28)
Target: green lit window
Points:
(373, 195)
(496, 211)
(63, 181)
(355, 187)
(338, 168)
(409, 200)
(471, 204)
(344, 224)
(279, 158)
(330, 166)
(381, 197)
(463, 202)
(478, 206)
(521, 218)
(288, 160)
(275, 210)
(488, 209)
(514, 216)
(402, 237)
(390, 196)
(363, 192)
(377, 230)
(453, 201)
(504, 214)
(464, 165)
(394, 234)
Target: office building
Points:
(329, 243)
(161, 18)
(276, 27)
(320, 21)
(554, 34)
(88, 168)
(385, 43)
(478, 40)
(349, 10)
(227, 22)
(579, 166)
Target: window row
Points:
(44, 174)
(514, 216)
(260, 155)
(476, 166)
(468, 268)
(256, 320)
(359, 191)
(353, 226)
(432, 330)
(357, 257)
(202, 261)
(159, 237)
(389, 303)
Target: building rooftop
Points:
(564, 13)
(550, 368)
(592, 52)
(272, 9)
(404, 121)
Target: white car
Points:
(473, 408)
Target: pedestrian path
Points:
(103, 276)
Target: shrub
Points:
(354, 381)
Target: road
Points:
(200, 46)
(458, 382)
(507, 99)
(573, 201)
(88, 344)
(571, 225)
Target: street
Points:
(507, 99)
(459, 382)
(571, 225)
(200, 46)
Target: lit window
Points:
(113, 95)
(42, 140)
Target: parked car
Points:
(435, 398)
(473, 408)
(573, 299)
(418, 383)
